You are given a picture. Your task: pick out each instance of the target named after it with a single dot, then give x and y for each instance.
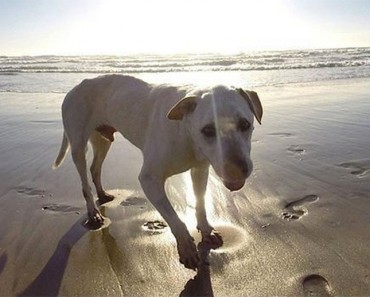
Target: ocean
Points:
(58, 74)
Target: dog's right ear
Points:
(254, 103)
(184, 106)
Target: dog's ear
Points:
(184, 106)
(254, 103)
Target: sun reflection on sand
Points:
(234, 236)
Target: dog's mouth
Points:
(234, 185)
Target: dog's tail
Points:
(62, 152)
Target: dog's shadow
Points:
(48, 282)
(201, 284)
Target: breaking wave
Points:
(257, 61)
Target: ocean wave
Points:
(257, 61)
(63, 82)
(178, 68)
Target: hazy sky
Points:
(36, 27)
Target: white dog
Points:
(176, 128)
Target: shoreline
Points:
(257, 79)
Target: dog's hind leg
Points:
(100, 146)
(78, 150)
(199, 176)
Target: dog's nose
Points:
(236, 168)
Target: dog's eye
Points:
(243, 125)
(209, 131)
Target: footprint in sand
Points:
(359, 169)
(295, 210)
(30, 191)
(316, 285)
(296, 149)
(154, 226)
(134, 201)
(61, 208)
(281, 134)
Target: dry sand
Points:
(300, 226)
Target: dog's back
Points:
(110, 100)
(96, 94)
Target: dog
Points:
(176, 128)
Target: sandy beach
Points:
(299, 227)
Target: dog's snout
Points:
(236, 168)
(244, 168)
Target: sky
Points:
(119, 27)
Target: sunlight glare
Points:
(167, 27)
(189, 217)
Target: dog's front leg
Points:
(153, 187)
(199, 177)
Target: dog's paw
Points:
(104, 197)
(95, 220)
(212, 240)
(188, 253)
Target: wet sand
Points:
(299, 227)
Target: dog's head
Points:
(220, 123)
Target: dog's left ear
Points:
(254, 103)
(184, 106)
